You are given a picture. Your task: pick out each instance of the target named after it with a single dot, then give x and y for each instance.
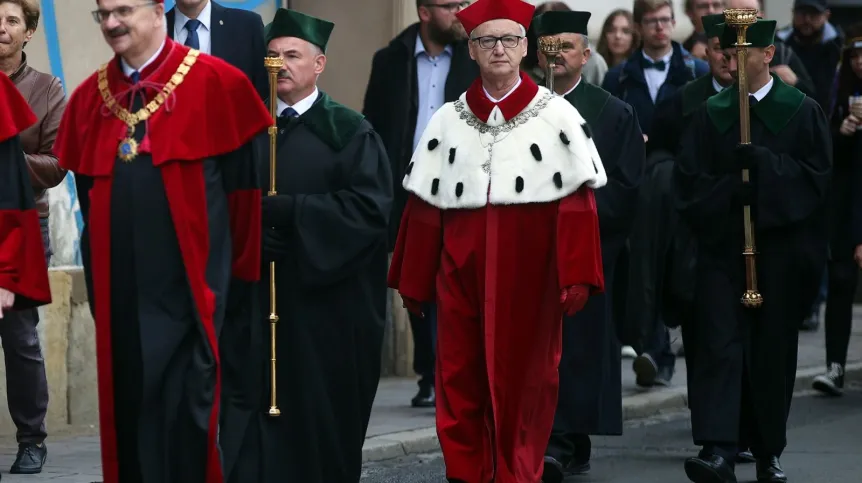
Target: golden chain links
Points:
(144, 113)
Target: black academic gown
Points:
(331, 301)
(661, 268)
(742, 385)
(590, 395)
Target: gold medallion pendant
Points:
(127, 151)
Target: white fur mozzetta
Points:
(543, 154)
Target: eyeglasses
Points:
(653, 22)
(489, 42)
(122, 12)
(450, 6)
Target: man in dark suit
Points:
(231, 34)
(425, 66)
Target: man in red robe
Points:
(159, 140)
(23, 270)
(501, 227)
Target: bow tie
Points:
(289, 112)
(752, 101)
(658, 65)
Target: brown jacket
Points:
(45, 95)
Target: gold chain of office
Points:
(128, 148)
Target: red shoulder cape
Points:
(17, 116)
(214, 111)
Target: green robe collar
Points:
(775, 110)
(695, 93)
(333, 123)
(589, 100)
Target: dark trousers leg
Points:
(425, 344)
(839, 309)
(26, 383)
(659, 348)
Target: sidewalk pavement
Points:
(396, 429)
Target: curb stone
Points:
(637, 406)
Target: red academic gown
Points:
(497, 272)
(196, 190)
(23, 270)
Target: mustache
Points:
(283, 74)
(117, 32)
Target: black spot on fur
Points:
(594, 166)
(459, 189)
(409, 168)
(435, 186)
(451, 155)
(432, 144)
(587, 130)
(558, 180)
(537, 153)
(519, 184)
(564, 138)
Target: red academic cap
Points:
(487, 10)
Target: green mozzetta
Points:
(775, 110)
(334, 123)
(695, 93)
(290, 23)
(589, 100)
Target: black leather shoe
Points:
(553, 471)
(744, 457)
(30, 459)
(577, 468)
(709, 469)
(425, 398)
(769, 470)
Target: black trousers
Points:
(839, 309)
(26, 382)
(425, 344)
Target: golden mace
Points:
(273, 66)
(741, 19)
(551, 47)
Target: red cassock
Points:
(500, 220)
(23, 270)
(211, 219)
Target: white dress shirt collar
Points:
(763, 91)
(575, 87)
(497, 101)
(300, 107)
(128, 70)
(205, 19)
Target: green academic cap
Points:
(290, 23)
(759, 35)
(713, 25)
(556, 22)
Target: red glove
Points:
(412, 306)
(574, 298)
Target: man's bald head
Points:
(745, 4)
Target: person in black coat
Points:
(423, 67)
(845, 210)
(590, 395)
(231, 34)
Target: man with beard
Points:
(818, 43)
(590, 398)
(170, 196)
(501, 229)
(742, 380)
(425, 66)
(325, 231)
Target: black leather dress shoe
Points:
(769, 471)
(30, 459)
(425, 398)
(745, 457)
(709, 469)
(553, 470)
(576, 467)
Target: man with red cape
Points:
(23, 270)
(501, 227)
(159, 140)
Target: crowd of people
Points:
(237, 264)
